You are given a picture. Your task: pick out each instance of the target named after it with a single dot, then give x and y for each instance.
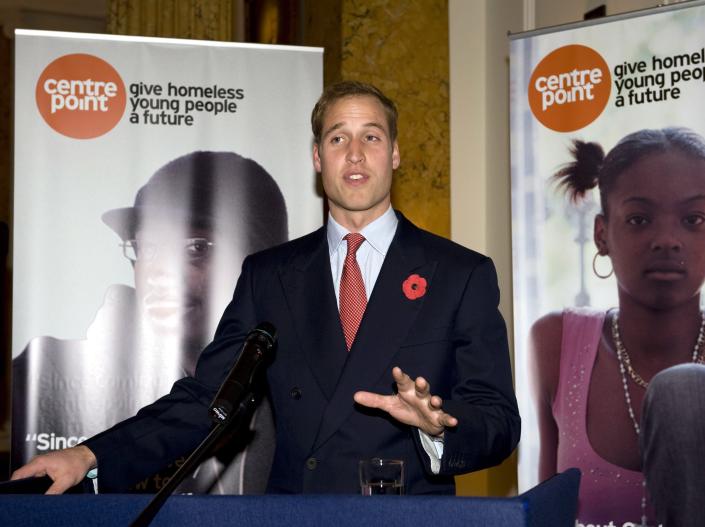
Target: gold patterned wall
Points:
(196, 19)
(402, 47)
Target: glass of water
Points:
(381, 476)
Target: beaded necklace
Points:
(625, 360)
(625, 367)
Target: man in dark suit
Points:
(371, 313)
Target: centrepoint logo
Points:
(569, 88)
(80, 96)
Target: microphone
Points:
(238, 384)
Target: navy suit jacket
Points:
(453, 336)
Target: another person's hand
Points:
(65, 467)
(413, 404)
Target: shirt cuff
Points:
(93, 476)
(434, 448)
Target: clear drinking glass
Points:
(382, 477)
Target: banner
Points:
(630, 89)
(145, 171)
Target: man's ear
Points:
(600, 235)
(316, 158)
(396, 158)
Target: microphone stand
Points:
(237, 420)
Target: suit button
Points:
(311, 463)
(295, 393)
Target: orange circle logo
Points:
(569, 88)
(80, 96)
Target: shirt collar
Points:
(378, 233)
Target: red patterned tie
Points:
(353, 299)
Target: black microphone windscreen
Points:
(238, 385)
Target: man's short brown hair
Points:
(340, 90)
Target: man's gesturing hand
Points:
(412, 405)
(66, 467)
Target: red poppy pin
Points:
(414, 287)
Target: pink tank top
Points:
(607, 492)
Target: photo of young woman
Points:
(593, 369)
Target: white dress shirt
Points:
(370, 257)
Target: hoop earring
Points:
(594, 268)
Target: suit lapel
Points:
(387, 320)
(308, 286)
